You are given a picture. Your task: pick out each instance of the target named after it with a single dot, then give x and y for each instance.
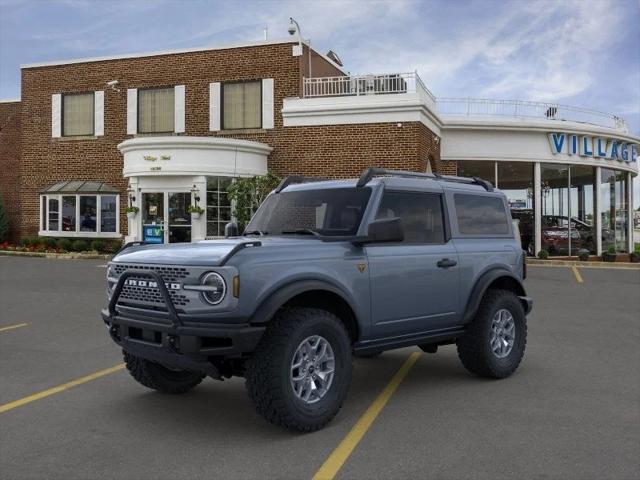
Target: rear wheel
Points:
(158, 377)
(300, 372)
(495, 340)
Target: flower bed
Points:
(62, 245)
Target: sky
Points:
(577, 52)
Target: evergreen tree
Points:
(4, 223)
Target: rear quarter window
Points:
(481, 215)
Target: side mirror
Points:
(385, 230)
(231, 230)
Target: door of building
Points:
(165, 218)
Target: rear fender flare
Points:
(483, 284)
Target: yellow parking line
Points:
(60, 388)
(576, 274)
(11, 327)
(334, 463)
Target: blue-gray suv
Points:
(326, 270)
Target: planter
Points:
(131, 215)
(615, 257)
(196, 215)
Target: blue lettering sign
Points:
(624, 152)
(613, 153)
(634, 153)
(573, 147)
(586, 148)
(152, 234)
(557, 142)
(601, 150)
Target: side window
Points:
(481, 215)
(421, 215)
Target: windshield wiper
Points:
(301, 231)
(255, 232)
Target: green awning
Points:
(80, 186)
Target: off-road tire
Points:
(268, 372)
(474, 348)
(155, 376)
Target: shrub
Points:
(634, 257)
(65, 244)
(29, 241)
(98, 245)
(4, 223)
(112, 246)
(48, 242)
(611, 250)
(583, 254)
(79, 245)
(543, 254)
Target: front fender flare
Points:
(267, 309)
(483, 284)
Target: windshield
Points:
(327, 212)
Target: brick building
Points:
(160, 131)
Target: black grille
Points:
(150, 296)
(170, 274)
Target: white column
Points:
(199, 226)
(598, 213)
(134, 232)
(630, 212)
(537, 206)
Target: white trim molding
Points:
(98, 122)
(214, 107)
(396, 108)
(187, 156)
(56, 115)
(179, 108)
(132, 111)
(267, 103)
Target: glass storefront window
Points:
(555, 208)
(515, 179)
(478, 168)
(108, 215)
(218, 205)
(88, 211)
(614, 210)
(583, 179)
(69, 213)
(53, 213)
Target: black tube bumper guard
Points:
(174, 344)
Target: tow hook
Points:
(173, 343)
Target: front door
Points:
(165, 218)
(414, 284)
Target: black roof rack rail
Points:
(286, 181)
(369, 173)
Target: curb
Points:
(531, 262)
(61, 256)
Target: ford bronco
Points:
(326, 270)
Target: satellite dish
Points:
(334, 57)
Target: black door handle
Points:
(446, 263)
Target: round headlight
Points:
(216, 288)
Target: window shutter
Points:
(132, 111)
(56, 115)
(98, 111)
(267, 103)
(214, 106)
(178, 110)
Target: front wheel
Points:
(300, 372)
(158, 377)
(495, 340)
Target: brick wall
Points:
(10, 162)
(328, 151)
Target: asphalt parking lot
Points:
(572, 410)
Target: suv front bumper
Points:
(170, 341)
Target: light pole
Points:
(293, 28)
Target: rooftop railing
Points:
(478, 107)
(356, 85)
(399, 83)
